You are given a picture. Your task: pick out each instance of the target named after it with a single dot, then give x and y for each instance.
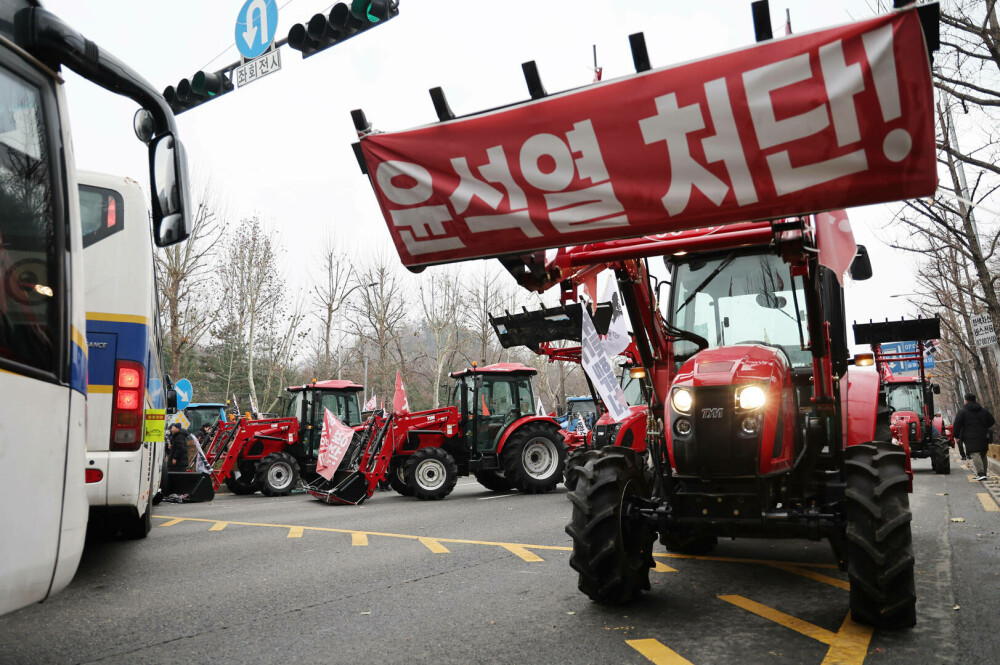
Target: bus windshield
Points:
(731, 300)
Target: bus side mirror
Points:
(169, 182)
(861, 267)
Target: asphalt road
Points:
(484, 578)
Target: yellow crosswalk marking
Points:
(848, 646)
(295, 532)
(813, 575)
(176, 520)
(663, 568)
(522, 552)
(658, 653)
(988, 502)
(219, 526)
(434, 546)
(359, 539)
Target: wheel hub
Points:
(430, 474)
(279, 475)
(540, 458)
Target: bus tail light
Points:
(93, 475)
(126, 415)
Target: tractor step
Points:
(484, 462)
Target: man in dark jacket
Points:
(178, 448)
(972, 425)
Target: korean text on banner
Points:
(597, 366)
(333, 444)
(820, 121)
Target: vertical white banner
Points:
(598, 367)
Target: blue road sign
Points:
(184, 393)
(906, 365)
(256, 25)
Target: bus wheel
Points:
(138, 528)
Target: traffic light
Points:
(197, 90)
(343, 22)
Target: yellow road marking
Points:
(787, 620)
(359, 539)
(522, 552)
(437, 544)
(434, 546)
(848, 646)
(658, 653)
(295, 532)
(219, 526)
(813, 575)
(988, 502)
(663, 568)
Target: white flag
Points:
(581, 425)
(539, 409)
(598, 367)
(618, 338)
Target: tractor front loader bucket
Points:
(549, 324)
(363, 466)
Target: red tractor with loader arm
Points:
(758, 424)
(910, 399)
(539, 330)
(270, 455)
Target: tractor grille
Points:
(716, 448)
(604, 435)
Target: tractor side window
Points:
(632, 389)
(500, 399)
(30, 292)
(524, 397)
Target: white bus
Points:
(125, 361)
(43, 352)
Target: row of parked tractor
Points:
(489, 430)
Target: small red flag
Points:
(399, 402)
(333, 444)
(837, 246)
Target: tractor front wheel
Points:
(574, 459)
(612, 550)
(879, 542)
(277, 474)
(941, 459)
(534, 458)
(493, 479)
(397, 479)
(431, 473)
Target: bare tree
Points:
(378, 318)
(328, 299)
(185, 275)
(441, 299)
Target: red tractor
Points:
(270, 455)
(490, 430)
(910, 399)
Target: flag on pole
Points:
(370, 404)
(539, 409)
(399, 402)
(236, 405)
(581, 425)
(788, 22)
(333, 443)
(253, 407)
(835, 238)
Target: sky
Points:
(281, 146)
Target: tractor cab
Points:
(307, 403)
(490, 399)
(576, 408)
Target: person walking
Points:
(972, 425)
(178, 448)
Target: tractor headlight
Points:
(682, 426)
(751, 397)
(682, 400)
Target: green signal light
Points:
(368, 11)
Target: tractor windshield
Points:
(342, 404)
(582, 406)
(731, 300)
(906, 397)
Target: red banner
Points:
(821, 121)
(333, 444)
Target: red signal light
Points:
(128, 377)
(128, 399)
(112, 212)
(93, 475)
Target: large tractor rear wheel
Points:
(493, 479)
(277, 474)
(612, 551)
(431, 473)
(534, 458)
(941, 458)
(397, 479)
(879, 543)
(574, 459)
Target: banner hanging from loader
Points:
(820, 121)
